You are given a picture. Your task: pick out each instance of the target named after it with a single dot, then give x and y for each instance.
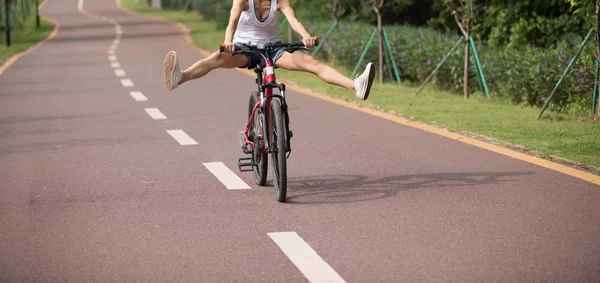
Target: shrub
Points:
(523, 75)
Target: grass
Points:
(24, 34)
(571, 139)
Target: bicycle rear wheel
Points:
(259, 159)
(278, 152)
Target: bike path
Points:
(376, 200)
(92, 188)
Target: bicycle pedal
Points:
(245, 164)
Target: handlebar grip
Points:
(222, 48)
(316, 38)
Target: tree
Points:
(586, 7)
(463, 15)
(338, 9)
(376, 5)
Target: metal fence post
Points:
(188, 4)
(479, 68)
(585, 41)
(437, 68)
(595, 97)
(364, 53)
(391, 54)
(323, 40)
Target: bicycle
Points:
(267, 131)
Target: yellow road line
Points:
(11, 60)
(586, 176)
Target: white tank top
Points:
(250, 29)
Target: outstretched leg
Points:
(299, 61)
(174, 76)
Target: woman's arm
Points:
(286, 7)
(234, 17)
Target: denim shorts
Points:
(255, 59)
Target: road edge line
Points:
(586, 176)
(13, 59)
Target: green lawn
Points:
(555, 135)
(23, 35)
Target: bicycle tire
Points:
(259, 159)
(278, 152)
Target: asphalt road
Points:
(94, 188)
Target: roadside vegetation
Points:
(24, 32)
(519, 80)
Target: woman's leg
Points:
(298, 61)
(214, 61)
(174, 76)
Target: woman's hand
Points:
(309, 42)
(228, 47)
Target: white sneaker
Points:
(362, 83)
(172, 72)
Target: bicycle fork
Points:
(286, 121)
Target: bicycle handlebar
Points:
(264, 46)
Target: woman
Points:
(257, 21)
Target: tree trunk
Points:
(157, 4)
(598, 51)
(467, 34)
(218, 10)
(379, 31)
(466, 75)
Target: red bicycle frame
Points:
(265, 95)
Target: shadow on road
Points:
(355, 188)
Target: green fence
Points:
(524, 75)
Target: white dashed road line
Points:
(115, 65)
(226, 176)
(314, 268)
(181, 137)
(155, 114)
(120, 73)
(112, 58)
(126, 82)
(138, 96)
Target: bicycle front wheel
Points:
(277, 144)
